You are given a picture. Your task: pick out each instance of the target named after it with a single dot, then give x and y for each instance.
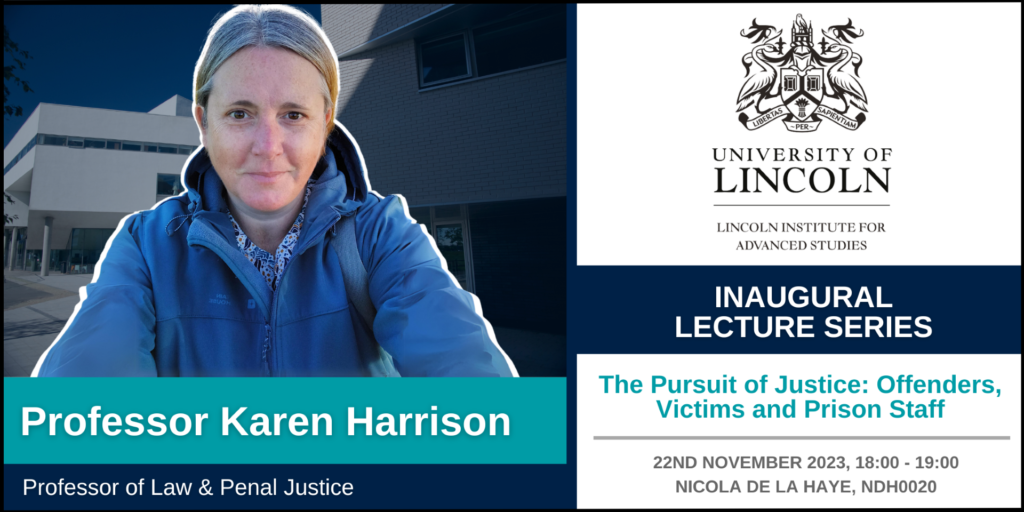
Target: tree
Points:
(12, 48)
(8, 218)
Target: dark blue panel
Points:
(973, 310)
(375, 486)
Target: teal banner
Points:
(284, 421)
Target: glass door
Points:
(449, 225)
(450, 240)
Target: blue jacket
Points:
(173, 295)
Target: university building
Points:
(74, 172)
(462, 110)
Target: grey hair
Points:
(279, 26)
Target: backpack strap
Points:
(357, 283)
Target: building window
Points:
(449, 226)
(84, 249)
(449, 238)
(444, 60)
(533, 36)
(168, 185)
(53, 140)
(45, 139)
(17, 158)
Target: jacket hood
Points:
(341, 179)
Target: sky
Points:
(120, 57)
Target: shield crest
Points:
(802, 91)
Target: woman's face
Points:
(265, 127)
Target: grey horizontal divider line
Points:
(801, 438)
(801, 205)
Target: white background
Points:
(657, 88)
(616, 474)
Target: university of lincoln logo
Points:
(801, 84)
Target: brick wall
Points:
(498, 143)
(498, 138)
(519, 251)
(350, 25)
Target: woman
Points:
(278, 260)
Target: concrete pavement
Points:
(35, 310)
